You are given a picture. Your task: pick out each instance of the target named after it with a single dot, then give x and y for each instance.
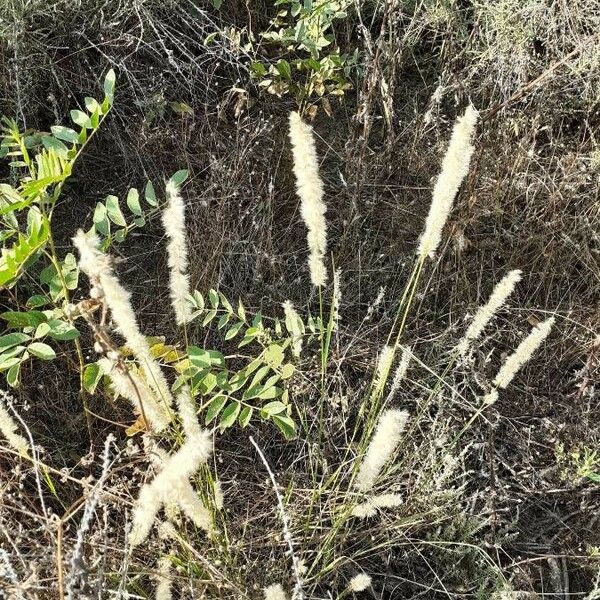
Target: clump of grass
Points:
(336, 465)
(342, 484)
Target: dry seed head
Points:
(8, 427)
(294, 325)
(485, 313)
(387, 500)
(96, 265)
(337, 298)
(523, 353)
(491, 397)
(219, 498)
(400, 372)
(132, 387)
(171, 487)
(383, 444)
(359, 582)
(384, 364)
(369, 507)
(190, 504)
(455, 167)
(164, 579)
(364, 510)
(310, 191)
(173, 219)
(275, 592)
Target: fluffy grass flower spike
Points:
(164, 579)
(8, 428)
(132, 387)
(400, 372)
(485, 313)
(359, 583)
(523, 353)
(310, 191)
(97, 266)
(382, 370)
(295, 326)
(455, 167)
(274, 592)
(383, 444)
(369, 507)
(171, 487)
(173, 219)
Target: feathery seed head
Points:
(164, 579)
(364, 510)
(90, 257)
(173, 219)
(485, 313)
(359, 582)
(523, 353)
(369, 507)
(384, 364)
(97, 267)
(400, 371)
(387, 500)
(310, 191)
(491, 397)
(295, 327)
(383, 444)
(455, 167)
(128, 384)
(8, 427)
(275, 592)
(219, 498)
(171, 487)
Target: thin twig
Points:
(298, 593)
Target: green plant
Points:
(579, 463)
(230, 389)
(40, 163)
(110, 223)
(307, 65)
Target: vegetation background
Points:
(530, 202)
